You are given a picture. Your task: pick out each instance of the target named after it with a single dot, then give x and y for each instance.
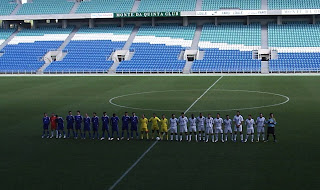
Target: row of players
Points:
(201, 127)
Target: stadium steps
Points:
(135, 6)
(131, 38)
(265, 67)
(264, 4)
(196, 37)
(187, 67)
(14, 12)
(9, 39)
(264, 36)
(75, 7)
(68, 39)
(198, 5)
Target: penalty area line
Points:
(153, 144)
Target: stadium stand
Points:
(166, 5)
(6, 7)
(89, 49)
(157, 49)
(4, 34)
(37, 7)
(293, 4)
(24, 51)
(104, 6)
(231, 4)
(298, 46)
(228, 48)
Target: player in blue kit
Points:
(86, 128)
(70, 122)
(134, 125)
(125, 125)
(46, 122)
(105, 125)
(78, 120)
(114, 121)
(95, 125)
(61, 127)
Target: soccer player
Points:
(238, 119)
(125, 125)
(154, 125)
(201, 129)
(105, 125)
(70, 122)
(183, 123)
(86, 128)
(164, 127)
(46, 122)
(260, 123)
(227, 128)
(250, 129)
(271, 127)
(114, 121)
(78, 120)
(95, 126)
(173, 127)
(144, 127)
(193, 128)
(53, 123)
(209, 128)
(218, 121)
(61, 131)
(134, 125)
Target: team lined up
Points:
(202, 128)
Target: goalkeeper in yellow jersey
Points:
(164, 127)
(144, 126)
(154, 124)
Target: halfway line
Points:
(153, 144)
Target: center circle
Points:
(215, 100)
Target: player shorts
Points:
(134, 128)
(237, 128)
(260, 129)
(270, 130)
(173, 130)
(70, 126)
(86, 128)
(227, 130)
(105, 127)
(144, 129)
(218, 130)
(53, 127)
(60, 127)
(183, 129)
(201, 128)
(95, 128)
(78, 126)
(155, 128)
(164, 129)
(46, 126)
(115, 128)
(250, 130)
(192, 129)
(209, 130)
(125, 127)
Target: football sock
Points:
(241, 137)
(263, 137)
(190, 137)
(247, 137)
(147, 135)
(176, 137)
(180, 137)
(225, 137)
(196, 136)
(167, 136)
(221, 136)
(103, 134)
(258, 136)
(200, 136)
(252, 136)
(216, 136)
(141, 136)
(212, 138)
(137, 134)
(187, 137)
(207, 137)
(274, 137)
(171, 137)
(122, 134)
(51, 133)
(235, 137)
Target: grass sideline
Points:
(27, 161)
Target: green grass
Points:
(29, 162)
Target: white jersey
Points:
(238, 119)
(209, 122)
(183, 121)
(218, 122)
(227, 123)
(249, 123)
(193, 122)
(173, 122)
(260, 121)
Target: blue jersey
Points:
(78, 119)
(70, 119)
(60, 122)
(134, 121)
(86, 122)
(46, 120)
(271, 122)
(114, 121)
(95, 121)
(105, 121)
(125, 120)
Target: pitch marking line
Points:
(153, 144)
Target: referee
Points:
(271, 125)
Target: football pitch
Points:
(29, 162)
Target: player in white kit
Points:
(201, 129)
(250, 130)
(173, 127)
(218, 121)
(260, 124)
(227, 128)
(238, 119)
(183, 123)
(209, 128)
(193, 127)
